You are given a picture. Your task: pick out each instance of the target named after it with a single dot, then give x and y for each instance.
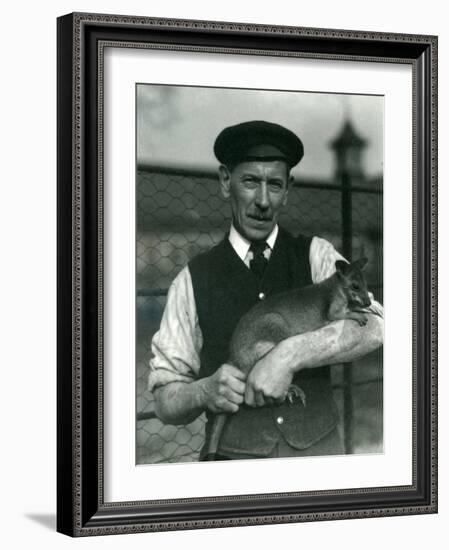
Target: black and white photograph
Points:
(259, 274)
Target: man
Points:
(189, 373)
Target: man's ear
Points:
(224, 175)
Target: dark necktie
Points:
(259, 262)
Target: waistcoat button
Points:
(261, 296)
(280, 419)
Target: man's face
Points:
(257, 191)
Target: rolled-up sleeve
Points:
(177, 344)
(322, 257)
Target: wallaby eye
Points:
(355, 286)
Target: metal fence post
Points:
(348, 374)
(348, 147)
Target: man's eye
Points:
(276, 184)
(355, 286)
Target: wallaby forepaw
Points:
(294, 392)
(362, 320)
(358, 317)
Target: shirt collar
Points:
(241, 245)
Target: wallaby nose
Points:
(367, 302)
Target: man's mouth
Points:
(260, 217)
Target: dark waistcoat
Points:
(224, 290)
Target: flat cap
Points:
(258, 140)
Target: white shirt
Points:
(177, 345)
(242, 245)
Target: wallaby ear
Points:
(361, 262)
(342, 267)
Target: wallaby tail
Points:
(215, 434)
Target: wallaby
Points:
(293, 312)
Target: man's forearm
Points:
(179, 402)
(339, 342)
(182, 402)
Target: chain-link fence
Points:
(181, 213)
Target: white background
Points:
(28, 206)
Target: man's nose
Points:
(262, 199)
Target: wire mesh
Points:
(181, 213)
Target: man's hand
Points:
(224, 391)
(268, 381)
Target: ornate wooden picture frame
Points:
(82, 507)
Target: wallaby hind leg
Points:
(272, 327)
(276, 329)
(264, 333)
(294, 392)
